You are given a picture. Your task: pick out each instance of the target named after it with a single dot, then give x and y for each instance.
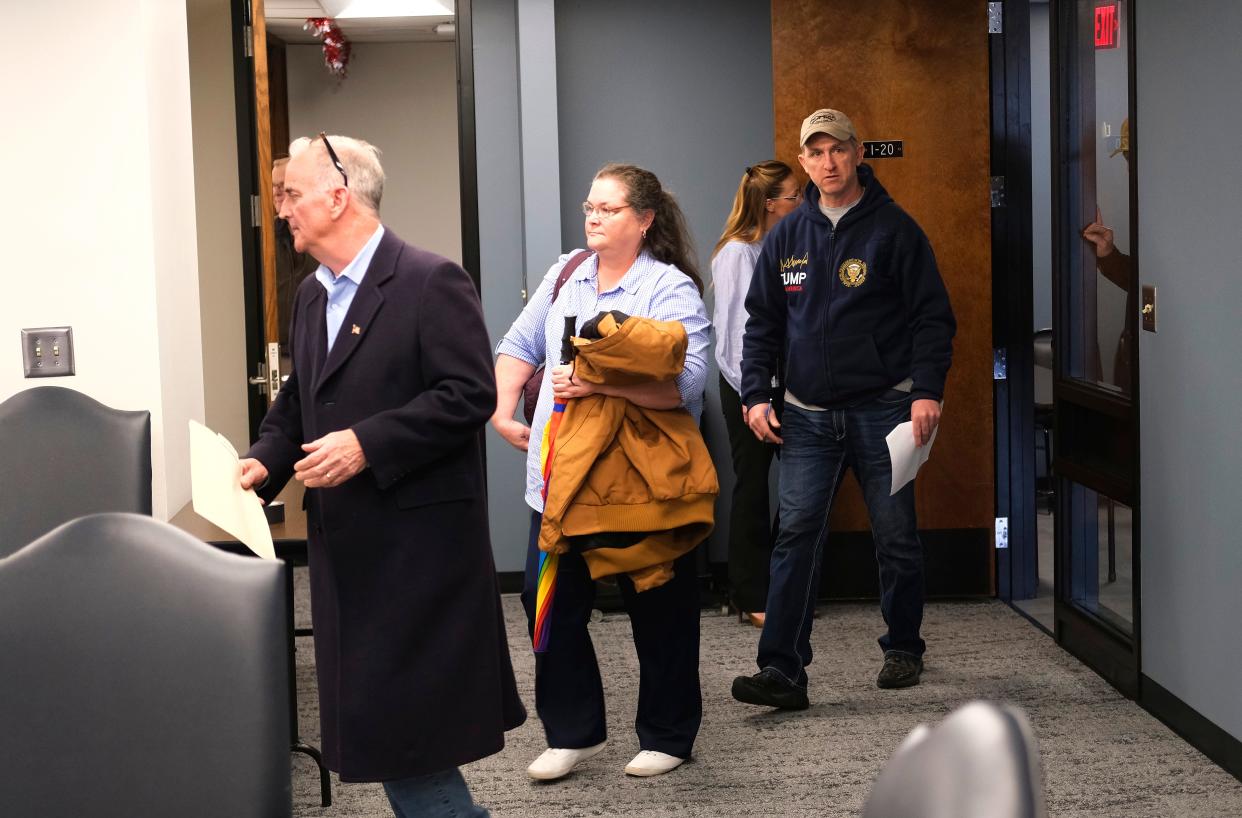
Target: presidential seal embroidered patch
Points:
(853, 272)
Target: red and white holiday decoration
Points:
(336, 46)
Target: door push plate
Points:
(1149, 308)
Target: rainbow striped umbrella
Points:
(545, 589)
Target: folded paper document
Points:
(215, 483)
(905, 456)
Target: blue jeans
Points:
(818, 447)
(439, 794)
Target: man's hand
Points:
(566, 387)
(332, 459)
(515, 433)
(1099, 235)
(762, 421)
(924, 417)
(253, 473)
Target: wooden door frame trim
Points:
(1017, 575)
(248, 174)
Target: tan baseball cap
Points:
(826, 120)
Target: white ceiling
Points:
(285, 19)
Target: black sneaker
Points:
(900, 670)
(768, 688)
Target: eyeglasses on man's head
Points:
(336, 160)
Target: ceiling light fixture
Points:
(356, 9)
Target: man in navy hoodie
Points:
(847, 300)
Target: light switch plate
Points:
(1148, 310)
(47, 352)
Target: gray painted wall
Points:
(501, 243)
(683, 89)
(1041, 168)
(1189, 176)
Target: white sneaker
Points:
(556, 762)
(653, 762)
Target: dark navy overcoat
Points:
(410, 649)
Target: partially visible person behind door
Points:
(768, 191)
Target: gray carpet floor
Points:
(1102, 754)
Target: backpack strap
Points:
(573, 264)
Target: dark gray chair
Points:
(980, 762)
(1043, 404)
(142, 673)
(66, 455)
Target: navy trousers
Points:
(569, 695)
(818, 447)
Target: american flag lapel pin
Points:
(356, 330)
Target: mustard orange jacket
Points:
(617, 467)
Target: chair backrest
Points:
(980, 762)
(142, 672)
(67, 455)
(1042, 346)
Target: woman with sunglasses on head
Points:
(767, 193)
(640, 265)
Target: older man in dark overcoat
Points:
(380, 419)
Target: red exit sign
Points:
(1107, 24)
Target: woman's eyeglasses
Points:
(604, 213)
(792, 198)
(335, 159)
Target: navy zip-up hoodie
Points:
(853, 311)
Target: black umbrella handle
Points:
(567, 344)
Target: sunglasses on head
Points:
(336, 160)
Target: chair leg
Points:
(295, 740)
(1112, 543)
(325, 780)
(1047, 455)
(1047, 492)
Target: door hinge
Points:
(1000, 369)
(1002, 532)
(248, 36)
(998, 191)
(255, 206)
(996, 18)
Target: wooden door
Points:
(259, 235)
(916, 72)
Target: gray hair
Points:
(361, 161)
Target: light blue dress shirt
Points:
(341, 289)
(732, 269)
(651, 289)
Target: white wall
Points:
(1188, 120)
(102, 227)
(402, 98)
(217, 198)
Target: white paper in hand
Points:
(215, 484)
(905, 456)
